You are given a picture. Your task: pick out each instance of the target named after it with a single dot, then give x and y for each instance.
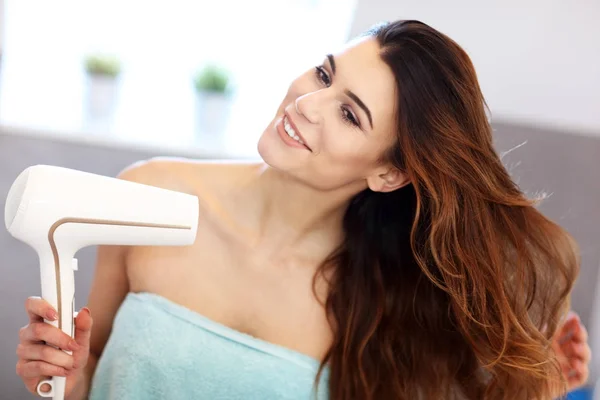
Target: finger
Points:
(34, 369)
(38, 309)
(575, 350)
(40, 352)
(575, 331)
(565, 332)
(574, 382)
(569, 349)
(41, 331)
(83, 329)
(582, 351)
(580, 333)
(579, 373)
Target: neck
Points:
(285, 213)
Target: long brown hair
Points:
(451, 287)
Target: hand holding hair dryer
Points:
(58, 211)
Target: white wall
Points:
(1, 24)
(538, 61)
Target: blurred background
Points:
(97, 85)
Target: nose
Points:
(310, 105)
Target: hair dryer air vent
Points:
(13, 200)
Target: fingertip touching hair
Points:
(453, 286)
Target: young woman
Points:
(381, 251)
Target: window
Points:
(264, 43)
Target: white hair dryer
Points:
(58, 211)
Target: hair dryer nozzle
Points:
(82, 209)
(14, 200)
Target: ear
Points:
(387, 179)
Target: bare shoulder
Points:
(208, 177)
(158, 172)
(210, 181)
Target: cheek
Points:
(345, 146)
(346, 153)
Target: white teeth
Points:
(290, 131)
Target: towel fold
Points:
(159, 349)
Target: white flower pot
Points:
(101, 96)
(212, 114)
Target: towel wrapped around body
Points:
(159, 349)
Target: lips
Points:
(295, 128)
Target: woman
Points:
(381, 252)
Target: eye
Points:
(322, 76)
(349, 117)
(346, 113)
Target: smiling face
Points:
(342, 117)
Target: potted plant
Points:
(102, 72)
(214, 96)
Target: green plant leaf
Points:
(212, 78)
(102, 65)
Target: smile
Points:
(290, 131)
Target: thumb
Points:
(83, 327)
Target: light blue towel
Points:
(159, 349)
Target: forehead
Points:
(359, 68)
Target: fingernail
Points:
(73, 345)
(88, 311)
(52, 315)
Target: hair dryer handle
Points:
(58, 289)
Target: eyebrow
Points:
(350, 94)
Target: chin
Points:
(266, 147)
